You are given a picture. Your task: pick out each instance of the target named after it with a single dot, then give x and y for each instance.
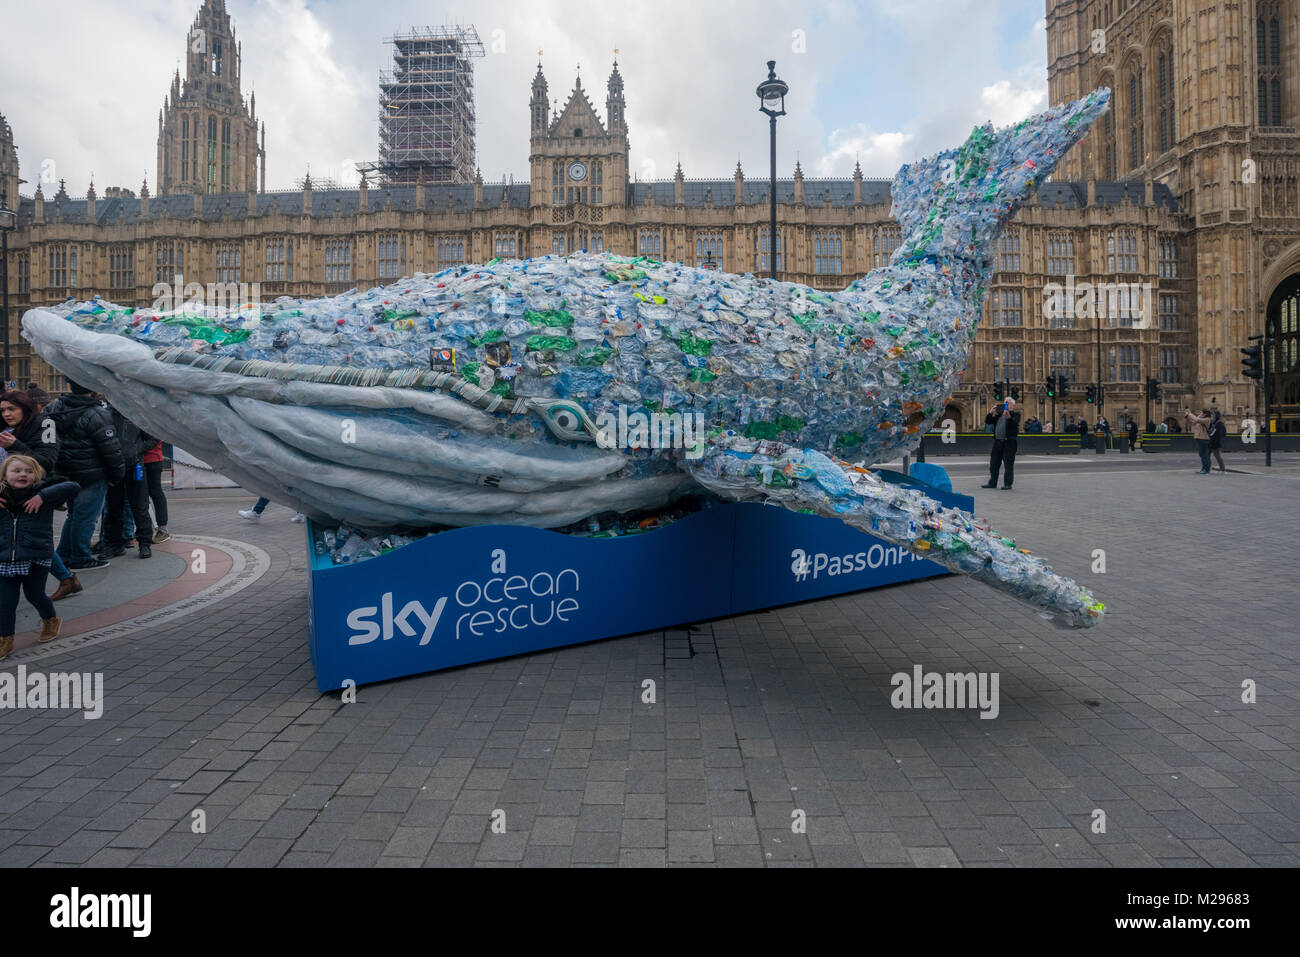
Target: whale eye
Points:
(565, 420)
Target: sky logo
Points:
(366, 629)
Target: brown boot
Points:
(6, 645)
(67, 586)
(50, 628)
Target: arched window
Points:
(1268, 63)
(1106, 153)
(212, 154)
(1136, 130)
(225, 156)
(1165, 111)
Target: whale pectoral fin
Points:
(802, 480)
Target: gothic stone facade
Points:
(1203, 281)
(1207, 102)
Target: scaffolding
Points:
(426, 108)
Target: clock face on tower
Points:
(577, 172)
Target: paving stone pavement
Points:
(761, 723)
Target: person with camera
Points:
(1005, 421)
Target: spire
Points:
(538, 103)
(614, 102)
(144, 188)
(40, 193)
(90, 191)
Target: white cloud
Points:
(879, 153)
(1005, 103)
(887, 79)
(327, 117)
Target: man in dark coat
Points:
(1006, 431)
(90, 455)
(132, 491)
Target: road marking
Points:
(249, 564)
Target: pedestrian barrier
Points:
(1068, 443)
(475, 594)
(1185, 443)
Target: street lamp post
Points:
(1099, 389)
(8, 221)
(771, 96)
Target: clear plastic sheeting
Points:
(544, 391)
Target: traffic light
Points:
(1091, 393)
(1062, 384)
(1252, 365)
(1015, 392)
(998, 391)
(1051, 386)
(1153, 390)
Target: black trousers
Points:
(153, 476)
(1004, 454)
(33, 586)
(135, 492)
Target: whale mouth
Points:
(376, 456)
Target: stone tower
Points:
(8, 164)
(207, 131)
(575, 158)
(1207, 101)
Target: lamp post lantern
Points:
(8, 221)
(771, 97)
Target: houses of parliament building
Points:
(1189, 188)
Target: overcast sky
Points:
(886, 81)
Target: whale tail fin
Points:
(953, 205)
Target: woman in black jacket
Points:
(27, 542)
(24, 432)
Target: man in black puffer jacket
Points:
(90, 455)
(132, 491)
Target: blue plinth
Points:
(474, 594)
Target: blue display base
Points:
(474, 594)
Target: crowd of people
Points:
(81, 454)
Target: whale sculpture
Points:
(501, 393)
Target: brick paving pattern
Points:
(759, 721)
